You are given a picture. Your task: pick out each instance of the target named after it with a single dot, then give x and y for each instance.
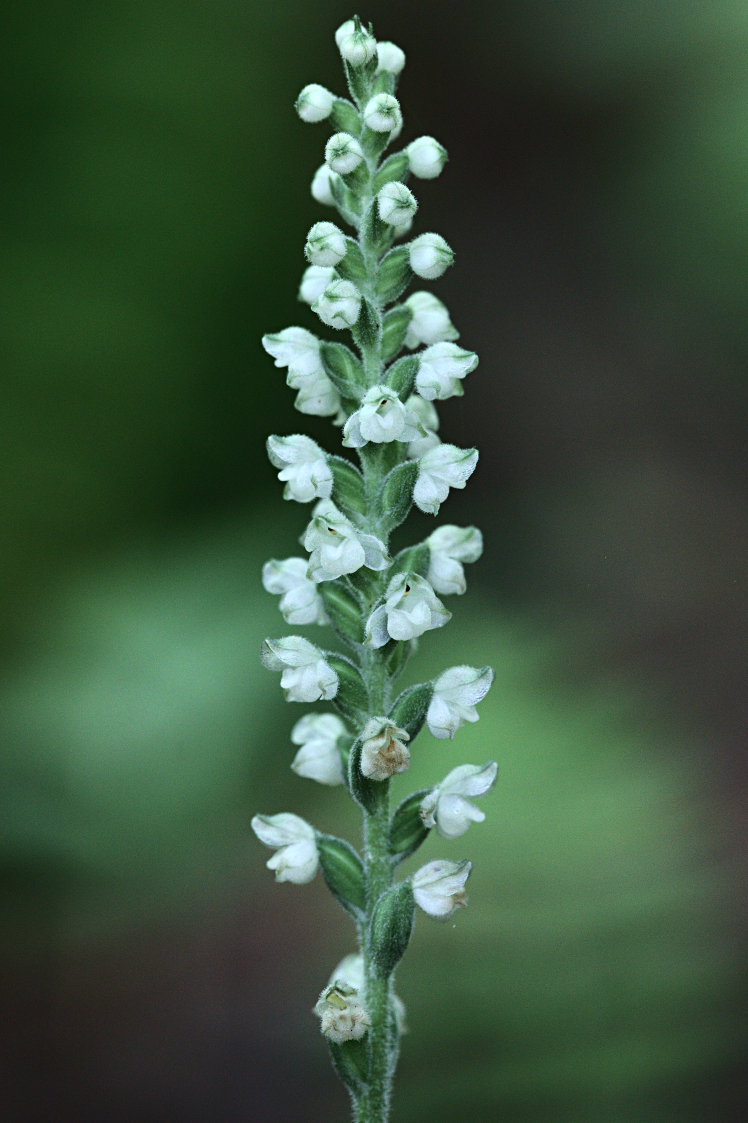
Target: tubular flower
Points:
(449, 547)
(410, 608)
(381, 417)
(456, 694)
(306, 676)
(294, 841)
(337, 547)
(300, 602)
(303, 467)
(439, 887)
(448, 806)
(318, 757)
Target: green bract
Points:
(389, 457)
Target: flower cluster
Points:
(382, 394)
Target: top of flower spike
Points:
(357, 46)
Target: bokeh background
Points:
(155, 202)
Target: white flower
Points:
(411, 608)
(342, 1014)
(343, 153)
(300, 601)
(456, 694)
(429, 419)
(430, 256)
(303, 467)
(440, 469)
(449, 546)
(440, 368)
(306, 676)
(325, 244)
(295, 859)
(396, 205)
(381, 417)
(426, 157)
(322, 183)
(382, 113)
(339, 306)
(430, 322)
(390, 58)
(318, 757)
(337, 547)
(315, 280)
(299, 350)
(439, 887)
(314, 103)
(356, 45)
(383, 752)
(448, 807)
(350, 971)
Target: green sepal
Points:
(378, 234)
(351, 699)
(350, 1062)
(384, 83)
(374, 142)
(393, 275)
(394, 329)
(413, 559)
(345, 200)
(395, 497)
(407, 831)
(398, 655)
(410, 707)
(394, 168)
(402, 374)
(345, 117)
(352, 266)
(347, 486)
(359, 78)
(367, 331)
(344, 369)
(343, 609)
(391, 927)
(367, 793)
(343, 871)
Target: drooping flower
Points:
(426, 157)
(300, 602)
(299, 350)
(342, 1014)
(439, 887)
(383, 752)
(450, 546)
(441, 366)
(457, 692)
(318, 757)
(449, 808)
(294, 840)
(410, 608)
(380, 418)
(430, 322)
(303, 467)
(430, 255)
(337, 547)
(440, 469)
(306, 676)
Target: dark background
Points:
(156, 198)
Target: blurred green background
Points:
(155, 202)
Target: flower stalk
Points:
(377, 604)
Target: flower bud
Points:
(306, 677)
(457, 691)
(440, 469)
(314, 281)
(296, 857)
(382, 113)
(303, 467)
(441, 367)
(314, 103)
(426, 157)
(318, 757)
(390, 58)
(339, 306)
(429, 322)
(439, 887)
(391, 927)
(355, 44)
(321, 187)
(448, 808)
(300, 602)
(430, 256)
(383, 752)
(325, 244)
(343, 153)
(396, 205)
